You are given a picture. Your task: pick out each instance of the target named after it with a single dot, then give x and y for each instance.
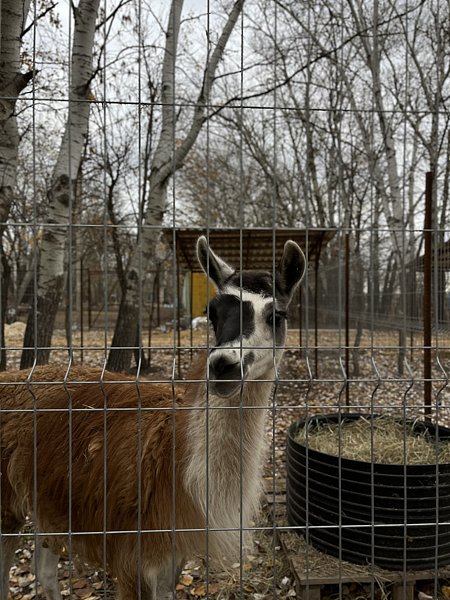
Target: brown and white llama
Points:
(142, 475)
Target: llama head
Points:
(248, 315)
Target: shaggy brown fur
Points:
(119, 465)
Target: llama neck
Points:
(227, 442)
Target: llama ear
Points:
(213, 265)
(291, 269)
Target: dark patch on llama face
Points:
(259, 282)
(256, 282)
(225, 315)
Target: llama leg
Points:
(172, 575)
(8, 549)
(150, 592)
(167, 579)
(47, 570)
(147, 592)
(149, 587)
(137, 588)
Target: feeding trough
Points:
(393, 515)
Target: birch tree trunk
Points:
(13, 16)
(41, 319)
(393, 207)
(392, 202)
(167, 159)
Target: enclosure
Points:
(128, 130)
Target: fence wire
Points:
(182, 413)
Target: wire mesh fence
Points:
(224, 307)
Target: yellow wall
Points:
(199, 293)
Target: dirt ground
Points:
(311, 380)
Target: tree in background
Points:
(41, 319)
(13, 81)
(168, 157)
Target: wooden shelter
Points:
(249, 248)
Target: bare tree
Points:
(12, 83)
(167, 159)
(41, 319)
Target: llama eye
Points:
(279, 317)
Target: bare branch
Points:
(38, 18)
(113, 14)
(326, 53)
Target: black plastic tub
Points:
(395, 516)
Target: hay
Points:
(380, 440)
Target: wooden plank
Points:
(277, 499)
(308, 592)
(315, 579)
(402, 591)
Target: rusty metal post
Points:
(427, 268)
(191, 297)
(316, 319)
(300, 324)
(150, 320)
(81, 313)
(158, 301)
(89, 300)
(178, 296)
(149, 353)
(347, 317)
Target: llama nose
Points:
(224, 367)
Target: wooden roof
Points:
(254, 245)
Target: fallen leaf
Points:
(98, 585)
(445, 589)
(24, 580)
(22, 570)
(14, 592)
(80, 583)
(199, 590)
(83, 592)
(186, 580)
